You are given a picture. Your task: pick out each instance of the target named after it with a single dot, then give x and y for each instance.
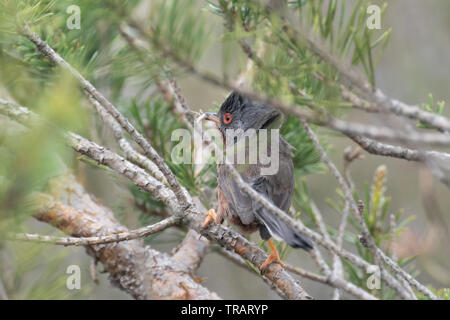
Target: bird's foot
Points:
(273, 257)
(210, 216)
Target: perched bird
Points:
(241, 113)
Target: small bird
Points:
(238, 112)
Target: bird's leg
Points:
(273, 257)
(210, 216)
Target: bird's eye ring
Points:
(227, 118)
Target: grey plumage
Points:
(239, 207)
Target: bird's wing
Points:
(276, 227)
(239, 202)
(278, 189)
(280, 186)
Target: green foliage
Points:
(305, 156)
(377, 216)
(443, 293)
(294, 63)
(155, 120)
(437, 108)
(180, 25)
(350, 33)
(14, 14)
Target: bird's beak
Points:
(210, 116)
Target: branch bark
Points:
(133, 266)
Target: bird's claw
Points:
(210, 216)
(273, 257)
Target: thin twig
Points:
(387, 150)
(86, 241)
(126, 147)
(393, 227)
(368, 241)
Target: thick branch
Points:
(133, 267)
(191, 251)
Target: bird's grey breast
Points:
(278, 187)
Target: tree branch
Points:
(84, 241)
(191, 251)
(387, 150)
(131, 154)
(133, 267)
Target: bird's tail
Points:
(281, 230)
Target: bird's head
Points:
(239, 112)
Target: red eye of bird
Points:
(227, 118)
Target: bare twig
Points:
(126, 147)
(330, 278)
(337, 271)
(337, 263)
(393, 227)
(118, 237)
(387, 150)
